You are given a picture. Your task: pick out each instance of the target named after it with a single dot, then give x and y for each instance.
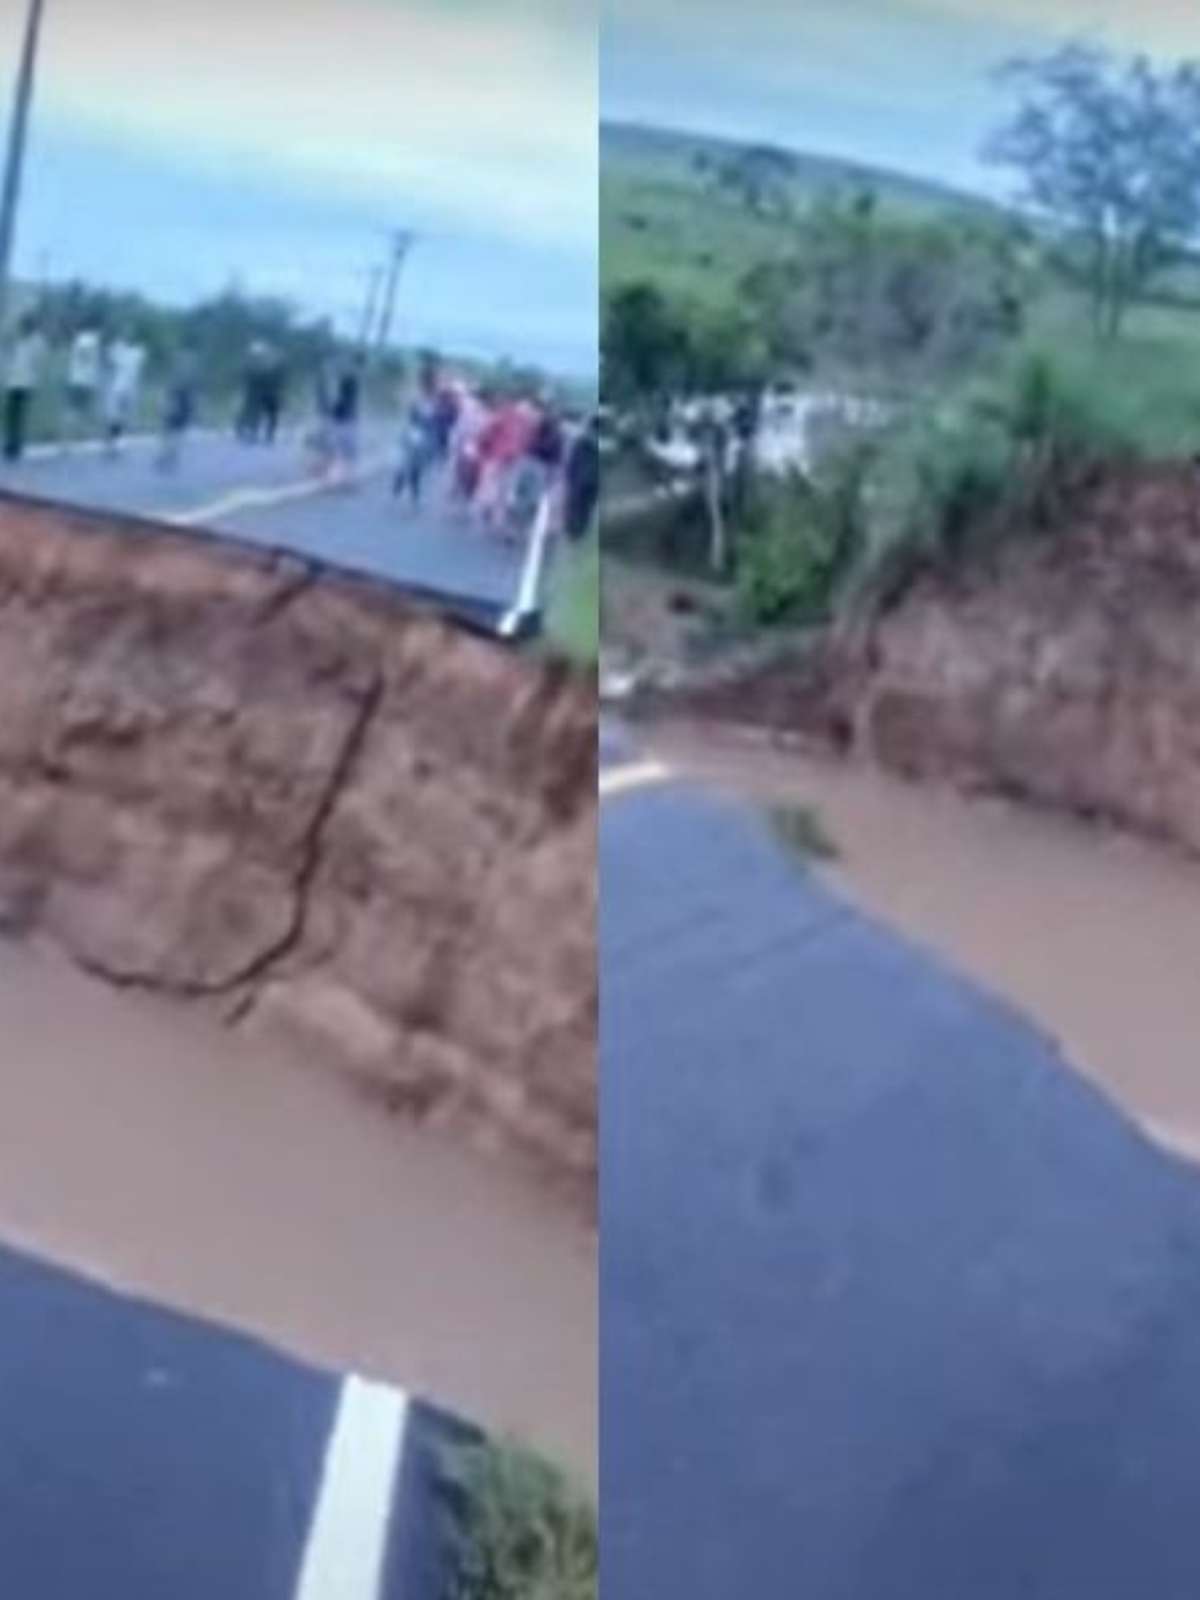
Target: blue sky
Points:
(903, 83)
(182, 143)
(179, 145)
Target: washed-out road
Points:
(894, 1303)
(272, 495)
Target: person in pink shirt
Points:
(473, 416)
(503, 444)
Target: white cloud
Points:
(1160, 27)
(851, 29)
(874, 54)
(907, 83)
(484, 112)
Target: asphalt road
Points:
(267, 495)
(894, 1305)
(156, 1458)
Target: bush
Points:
(1009, 451)
(801, 830)
(798, 538)
(1056, 411)
(872, 293)
(1136, 400)
(525, 1533)
(931, 484)
(947, 479)
(960, 468)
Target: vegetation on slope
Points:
(521, 1531)
(1019, 352)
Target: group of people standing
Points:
(498, 456)
(103, 379)
(333, 440)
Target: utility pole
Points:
(14, 160)
(402, 243)
(375, 279)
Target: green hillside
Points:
(670, 156)
(661, 219)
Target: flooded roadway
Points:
(157, 1153)
(1093, 934)
(892, 1298)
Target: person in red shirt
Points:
(491, 452)
(502, 445)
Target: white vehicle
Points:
(676, 453)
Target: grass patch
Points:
(800, 830)
(1143, 390)
(523, 1532)
(679, 237)
(573, 613)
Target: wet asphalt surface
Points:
(364, 528)
(894, 1305)
(150, 1456)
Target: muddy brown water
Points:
(155, 1152)
(1095, 935)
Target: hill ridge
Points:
(634, 133)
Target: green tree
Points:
(644, 345)
(759, 177)
(1109, 155)
(655, 345)
(868, 292)
(724, 349)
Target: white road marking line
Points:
(64, 449)
(47, 450)
(250, 497)
(244, 499)
(51, 449)
(347, 1541)
(639, 775)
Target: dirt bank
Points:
(246, 783)
(1065, 671)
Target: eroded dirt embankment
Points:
(1065, 671)
(247, 782)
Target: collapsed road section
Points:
(247, 781)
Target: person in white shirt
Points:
(22, 375)
(83, 380)
(126, 361)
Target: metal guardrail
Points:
(524, 616)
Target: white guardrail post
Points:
(523, 612)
